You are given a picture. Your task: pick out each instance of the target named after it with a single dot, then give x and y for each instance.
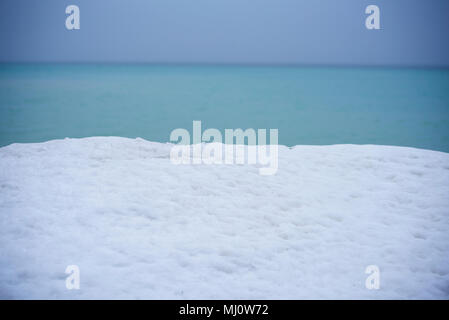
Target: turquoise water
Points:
(404, 107)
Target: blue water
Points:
(319, 106)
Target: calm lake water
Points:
(319, 106)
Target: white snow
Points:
(139, 226)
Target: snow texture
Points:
(139, 226)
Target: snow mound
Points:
(139, 226)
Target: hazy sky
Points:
(414, 32)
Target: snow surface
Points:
(139, 226)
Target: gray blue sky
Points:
(328, 32)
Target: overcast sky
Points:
(413, 32)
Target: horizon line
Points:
(236, 64)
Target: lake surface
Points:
(319, 106)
